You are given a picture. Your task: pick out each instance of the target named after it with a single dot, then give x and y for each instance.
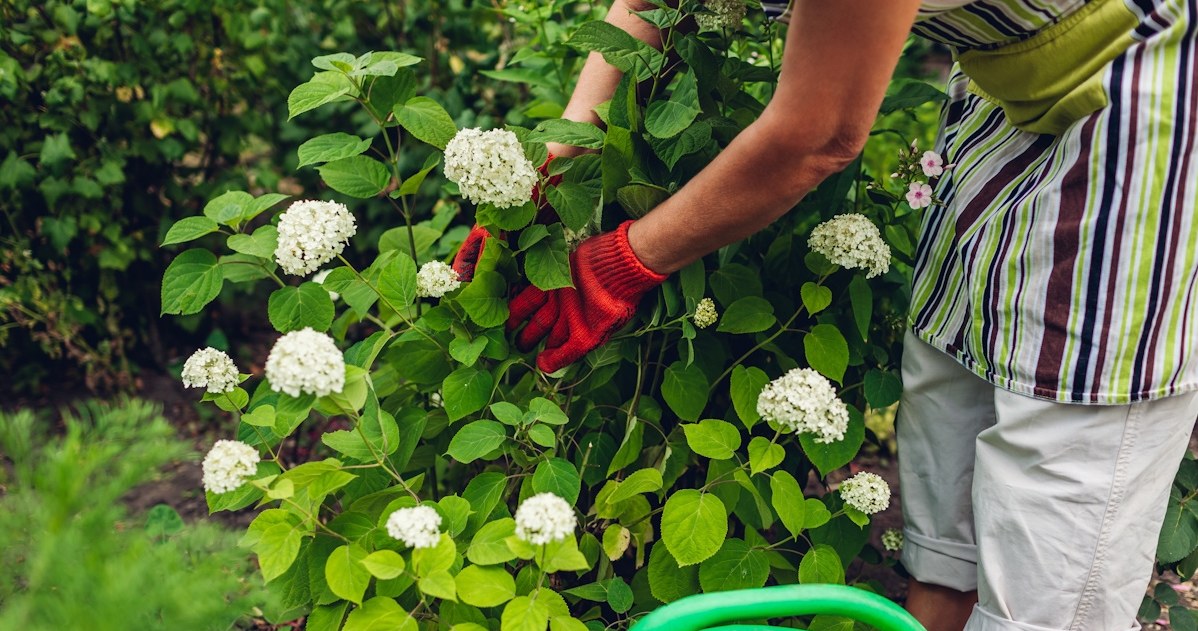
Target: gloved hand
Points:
(609, 281)
(471, 251)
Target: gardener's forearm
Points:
(838, 60)
(598, 79)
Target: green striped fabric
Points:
(1066, 267)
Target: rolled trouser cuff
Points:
(939, 562)
(983, 620)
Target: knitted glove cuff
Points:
(617, 268)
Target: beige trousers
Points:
(1050, 510)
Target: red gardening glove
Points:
(471, 251)
(609, 281)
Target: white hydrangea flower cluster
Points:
(435, 279)
(866, 492)
(892, 539)
(724, 14)
(306, 361)
(543, 518)
(417, 526)
(228, 465)
(312, 233)
(804, 401)
(490, 167)
(853, 242)
(211, 369)
(705, 313)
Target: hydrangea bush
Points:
(457, 487)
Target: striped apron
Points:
(1064, 262)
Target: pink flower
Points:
(920, 195)
(932, 163)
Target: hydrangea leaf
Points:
(524, 614)
(261, 244)
(275, 536)
(861, 297)
(642, 481)
(826, 351)
(821, 564)
(384, 564)
(397, 282)
(425, 119)
(746, 387)
(568, 132)
(574, 204)
(816, 298)
(882, 388)
(188, 229)
(668, 581)
(331, 147)
(737, 565)
(485, 586)
(439, 584)
(764, 454)
(192, 280)
(559, 477)
(787, 498)
(294, 307)
(485, 299)
(713, 438)
(324, 87)
(466, 391)
(750, 314)
(489, 545)
(345, 574)
(356, 176)
(547, 263)
(475, 440)
(685, 390)
(831, 456)
(694, 525)
(378, 613)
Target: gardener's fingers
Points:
(526, 303)
(539, 324)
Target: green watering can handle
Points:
(703, 611)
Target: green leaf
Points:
(666, 119)
(467, 351)
(485, 299)
(259, 205)
(384, 564)
(693, 525)
(1179, 535)
(787, 498)
(616, 160)
(261, 244)
(764, 454)
(330, 148)
(618, 48)
(830, 456)
(189, 228)
(568, 132)
(397, 282)
(476, 440)
(547, 262)
(547, 411)
(862, 299)
(559, 477)
(525, 614)
(563, 556)
(440, 584)
(337, 61)
(378, 426)
(641, 481)
(746, 387)
(324, 87)
(615, 541)
(574, 204)
(685, 390)
(412, 184)
(466, 391)
(821, 564)
(713, 438)
(667, 580)
(228, 207)
(737, 565)
(380, 614)
(827, 351)
(905, 93)
(638, 199)
(882, 388)
(489, 545)
(56, 151)
(275, 537)
(511, 218)
(750, 314)
(485, 586)
(162, 520)
(192, 280)
(816, 298)
(425, 119)
(345, 574)
(293, 308)
(815, 513)
(356, 176)
(440, 557)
